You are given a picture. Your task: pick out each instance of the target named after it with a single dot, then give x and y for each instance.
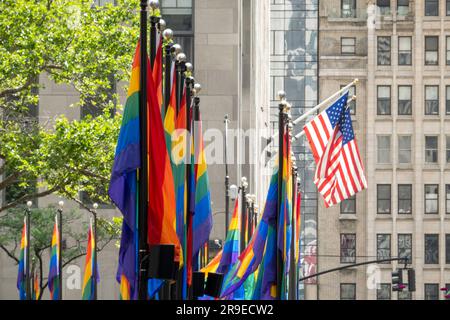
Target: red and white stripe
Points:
(340, 171)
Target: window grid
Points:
(431, 50)
(383, 100)
(404, 198)
(383, 247)
(383, 199)
(431, 248)
(404, 246)
(431, 199)
(404, 149)
(384, 51)
(348, 248)
(405, 100)
(431, 149)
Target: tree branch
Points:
(28, 197)
(10, 180)
(9, 253)
(8, 92)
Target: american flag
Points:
(340, 171)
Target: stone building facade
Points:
(399, 51)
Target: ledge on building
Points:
(347, 217)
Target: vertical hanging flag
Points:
(90, 269)
(340, 171)
(123, 188)
(202, 219)
(161, 205)
(22, 277)
(53, 276)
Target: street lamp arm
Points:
(353, 265)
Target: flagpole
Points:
(281, 125)
(181, 69)
(28, 236)
(227, 179)
(94, 260)
(293, 266)
(154, 20)
(168, 36)
(244, 186)
(143, 172)
(195, 115)
(60, 210)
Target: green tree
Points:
(42, 221)
(79, 44)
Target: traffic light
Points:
(411, 280)
(397, 280)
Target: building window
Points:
(432, 100)
(431, 249)
(178, 15)
(404, 198)
(447, 149)
(348, 291)
(348, 46)
(352, 104)
(383, 247)
(383, 100)
(447, 198)
(383, 198)
(447, 8)
(404, 149)
(447, 100)
(404, 51)
(447, 51)
(431, 149)
(384, 291)
(404, 243)
(348, 248)
(431, 291)
(384, 149)
(431, 198)
(384, 6)
(402, 7)
(404, 295)
(431, 50)
(384, 51)
(348, 8)
(405, 100)
(447, 248)
(431, 7)
(348, 206)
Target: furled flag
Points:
(284, 223)
(162, 204)
(157, 69)
(250, 259)
(123, 188)
(90, 269)
(202, 218)
(340, 171)
(53, 276)
(22, 277)
(36, 287)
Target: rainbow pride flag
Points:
(53, 276)
(22, 277)
(90, 269)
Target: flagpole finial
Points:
(282, 95)
(154, 4)
(95, 206)
(189, 67)
(168, 34)
(61, 204)
(29, 204)
(356, 81)
(181, 57)
(197, 88)
(244, 182)
(176, 49)
(162, 25)
(353, 98)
